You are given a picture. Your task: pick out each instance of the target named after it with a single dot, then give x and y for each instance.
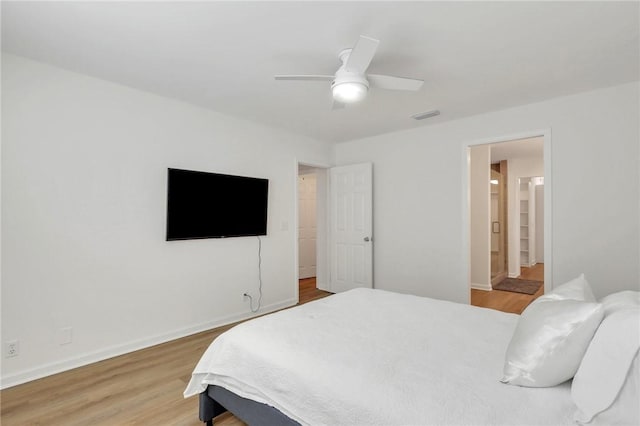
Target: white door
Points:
(351, 246)
(307, 225)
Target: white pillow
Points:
(576, 289)
(549, 341)
(620, 300)
(606, 387)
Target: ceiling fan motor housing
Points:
(348, 87)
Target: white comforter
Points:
(371, 357)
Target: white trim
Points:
(117, 350)
(466, 214)
(296, 248)
(483, 287)
(548, 217)
(548, 188)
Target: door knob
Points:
(366, 239)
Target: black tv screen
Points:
(212, 205)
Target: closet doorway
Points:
(311, 232)
(307, 223)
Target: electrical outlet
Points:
(11, 348)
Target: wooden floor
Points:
(143, 387)
(508, 301)
(309, 292)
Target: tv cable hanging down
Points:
(259, 279)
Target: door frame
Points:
(548, 189)
(322, 264)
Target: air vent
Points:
(423, 115)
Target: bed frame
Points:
(216, 400)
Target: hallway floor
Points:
(508, 301)
(308, 291)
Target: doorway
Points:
(343, 226)
(531, 220)
(531, 227)
(497, 241)
(311, 232)
(307, 228)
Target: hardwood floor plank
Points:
(508, 301)
(142, 387)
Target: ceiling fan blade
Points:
(394, 83)
(362, 54)
(305, 77)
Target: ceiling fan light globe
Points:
(349, 92)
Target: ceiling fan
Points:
(351, 82)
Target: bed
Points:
(372, 357)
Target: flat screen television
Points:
(212, 205)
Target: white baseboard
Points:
(117, 350)
(484, 287)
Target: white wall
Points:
(418, 221)
(84, 169)
(480, 213)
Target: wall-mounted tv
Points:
(212, 205)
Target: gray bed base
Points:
(216, 400)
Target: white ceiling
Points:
(520, 148)
(474, 56)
